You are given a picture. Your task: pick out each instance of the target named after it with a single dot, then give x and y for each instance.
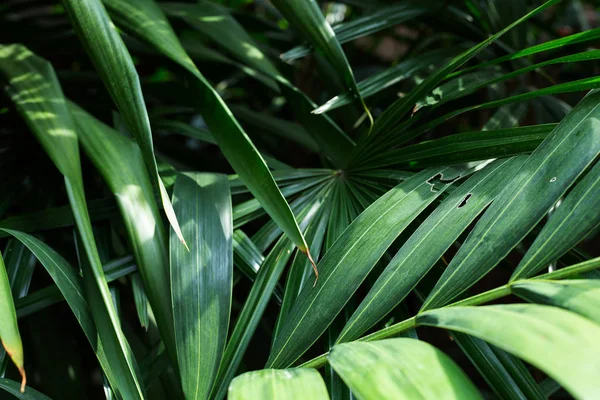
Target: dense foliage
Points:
(300, 200)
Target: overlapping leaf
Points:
(544, 177)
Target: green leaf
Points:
(13, 388)
(44, 108)
(579, 37)
(256, 303)
(349, 261)
(460, 86)
(580, 296)
(572, 221)
(560, 343)
(379, 20)
(400, 369)
(465, 84)
(215, 22)
(202, 278)
(399, 109)
(9, 329)
(391, 76)
(279, 384)
(429, 242)
(464, 147)
(71, 288)
(567, 87)
(307, 17)
(141, 300)
(484, 358)
(121, 164)
(233, 141)
(115, 66)
(544, 178)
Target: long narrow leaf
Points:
(120, 162)
(233, 141)
(262, 289)
(580, 296)
(202, 278)
(349, 261)
(569, 224)
(115, 66)
(9, 329)
(35, 90)
(307, 17)
(545, 176)
(429, 242)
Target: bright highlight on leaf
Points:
(323, 259)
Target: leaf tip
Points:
(23, 378)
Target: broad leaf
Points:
(400, 369)
(279, 384)
(579, 296)
(202, 278)
(560, 343)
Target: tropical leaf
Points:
(13, 388)
(400, 369)
(485, 358)
(9, 331)
(306, 16)
(232, 140)
(556, 341)
(115, 66)
(44, 109)
(428, 244)
(569, 224)
(580, 296)
(120, 162)
(544, 177)
(348, 262)
(201, 278)
(273, 384)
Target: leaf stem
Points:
(478, 299)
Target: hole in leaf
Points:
(465, 200)
(438, 180)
